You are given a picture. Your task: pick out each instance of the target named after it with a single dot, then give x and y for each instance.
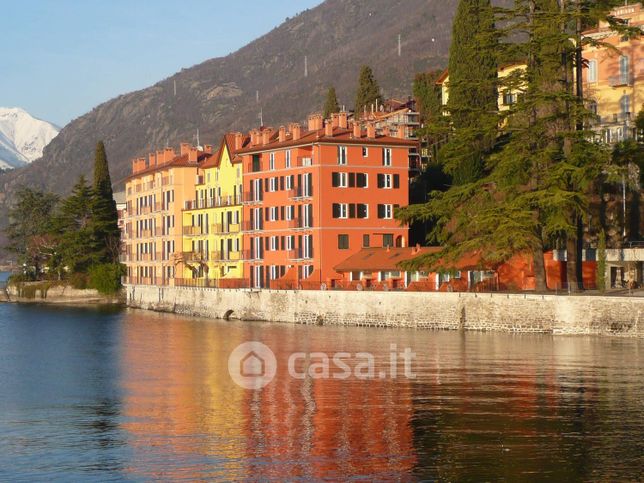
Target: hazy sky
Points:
(60, 58)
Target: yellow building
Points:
(155, 195)
(507, 91)
(212, 221)
(614, 77)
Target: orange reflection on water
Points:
(185, 418)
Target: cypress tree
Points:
(368, 92)
(104, 212)
(331, 104)
(473, 94)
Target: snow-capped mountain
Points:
(22, 137)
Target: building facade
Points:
(312, 197)
(212, 220)
(614, 77)
(153, 219)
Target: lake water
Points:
(88, 394)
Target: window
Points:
(624, 65)
(592, 71)
(363, 210)
(387, 240)
(385, 211)
(386, 156)
(271, 161)
(340, 210)
(307, 184)
(288, 158)
(625, 106)
(272, 184)
(361, 180)
(343, 242)
(289, 213)
(366, 242)
(342, 155)
(385, 181)
(339, 180)
(509, 98)
(256, 163)
(274, 243)
(290, 242)
(365, 151)
(288, 182)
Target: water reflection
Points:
(140, 396)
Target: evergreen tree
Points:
(368, 93)
(331, 104)
(537, 181)
(104, 212)
(30, 232)
(473, 94)
(78, 246)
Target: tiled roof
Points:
(382, 259)
(229, 141)
(340, 136)
(180, 161)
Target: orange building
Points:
(314, 197)
(155, 194)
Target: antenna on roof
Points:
(261, 117)
(306, 66)
(175, 88)
(399, 46)
(257, 97)
(198, 143)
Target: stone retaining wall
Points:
(511, 313)
(42, 292)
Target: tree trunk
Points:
(571, 264)
(539, 270)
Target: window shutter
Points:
(361, 180)
(362, 210)
(352, 210)
(336, 210)
(396, 181)
(266, 214)
(335, 179)
(381, 180)
(381, 211)
(281, 183)
(309, 180)
(265, 184)
(281, 212)
(352, 180)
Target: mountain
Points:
(336, 38)
(22, 137)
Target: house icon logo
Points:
(252, 365)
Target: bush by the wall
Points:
(79, 281)
(106, 278)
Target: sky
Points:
(60, 58)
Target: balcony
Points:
(299, 193)
(195, 230)
(621, 80)
(300, 224)
(249, 226)
(249, 255)
(195, 257)
(218, 202)
(219, 256)
(298, 254)
(251, 198)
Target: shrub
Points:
(79, 281)
(106, 278)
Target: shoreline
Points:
(39, 293)
(612, 316)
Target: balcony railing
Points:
(298, 254)
(218, 202)
(621, 80)
(249, 226)
(250, 255)
(195, 230)
(299, 192)
(219, 256)
(252, 198)
(300, 223)
(195, 256)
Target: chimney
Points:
(208, 148)
(328, 128)
(335, 120)
(342, 120)
(239, 139)
(357, 131)
(266, 136)
(296, 130)
(185, 147)
(193, 154)
(254, 137)
(153, 159)
(282, 134)
(168, 155)
(315, 122)
(371, 130)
